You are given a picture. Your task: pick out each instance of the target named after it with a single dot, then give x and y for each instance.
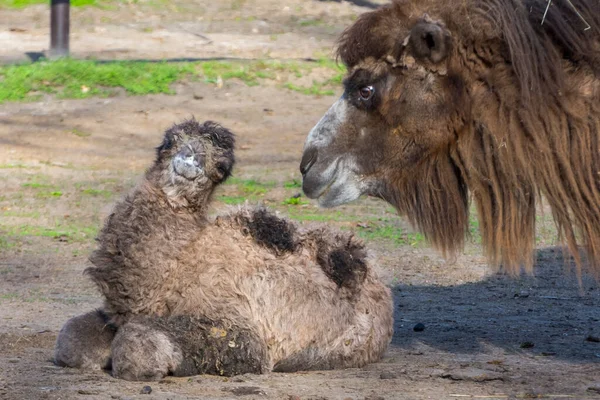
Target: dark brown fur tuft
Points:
(270, 231)
(344, 260)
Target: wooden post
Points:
(59, 28)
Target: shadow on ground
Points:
(548, 315)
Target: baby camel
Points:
(248, 292)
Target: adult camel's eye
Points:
(366, 92)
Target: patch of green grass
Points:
(78, 79)
(232, 200)
(68, 300)
(316, 89)
(57, 164)
(293, 184)
(311, 22)
(247, 189)
(19, 166)
(546, 232)
(20, 214)
(79, 133)
(249, 73)
(323, 88)
(49, 195)
(50, 192)
(67, 232)
(312, 215)
(328, 63)
(212, 70)
(36, 185)
(391, 233)
(69, 78)
(6, 244)
(474, 232)
(9, 296)
(36, 298)
(251, 187)
(294, 201)
(97, 192)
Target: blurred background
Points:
(161, 29)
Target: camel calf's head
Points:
(193, 158)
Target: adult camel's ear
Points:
(430, 39)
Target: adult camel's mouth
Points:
(318, 181)
(334, 185)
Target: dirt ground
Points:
(64, 162)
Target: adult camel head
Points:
(497, 101)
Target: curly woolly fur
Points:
(248, 292)
(518, 101)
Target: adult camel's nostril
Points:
(308, 159)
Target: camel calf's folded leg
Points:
(149, 348)
(85, 341)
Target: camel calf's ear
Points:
(430, 39)
(223, 168)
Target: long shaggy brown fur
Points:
(524, 101)
(244, 293)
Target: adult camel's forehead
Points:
(365, 73)
(375, 34)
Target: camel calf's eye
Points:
(366, 92)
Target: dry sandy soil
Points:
(64, 162)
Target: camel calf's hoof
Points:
(142, 353)
(84, 342)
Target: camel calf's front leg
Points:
(149, 348)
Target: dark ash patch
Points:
(271, 231)
(346, 266)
